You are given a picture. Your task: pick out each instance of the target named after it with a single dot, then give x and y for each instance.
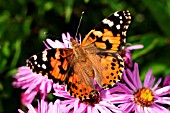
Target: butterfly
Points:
(97, 59)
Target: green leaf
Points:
(159, 13)
(17, 53)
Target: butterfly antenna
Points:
(79, 23)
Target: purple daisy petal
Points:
(138, 46)
(66, 40)
(32, 83)
(139, 109)
(121, 87)
(166, 81)
(159, 109)
(137, 77)
(147, 79)
(89, 109)
(44, 107)
(152, 81)
(157, 83)
(129, 82)
(56, 44)
(163, 100)
(162, 91)
(20, 111)
(127, 107)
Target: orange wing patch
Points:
(113, 67)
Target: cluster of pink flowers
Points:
(130, 96)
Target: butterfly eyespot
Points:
(100, 51)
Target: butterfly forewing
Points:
(110, 34)
(53, 63)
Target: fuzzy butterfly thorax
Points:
(79, 52)
(96, 58)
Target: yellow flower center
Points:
(144, 97)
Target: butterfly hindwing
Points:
(110, 34)
(52, 63)
(112, 69)
(79, 83)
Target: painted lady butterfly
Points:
(97, 57)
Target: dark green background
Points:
(23, 23)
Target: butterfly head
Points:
(74, 43)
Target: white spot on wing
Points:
(128, 13)
(44, 55)
(116, 14)
(106, 21)
(35, 62)
(110, 24)
(35, 57)
(124, 33)
(123, 47)
(121, 21)
(44, 58)
(124, 40)
(44, 66)
(118, 26)
(126, 27)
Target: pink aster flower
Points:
(146, 98)
(73, 105)
(32, 84)
(127, 55)
(57, 44)
(44, 107)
